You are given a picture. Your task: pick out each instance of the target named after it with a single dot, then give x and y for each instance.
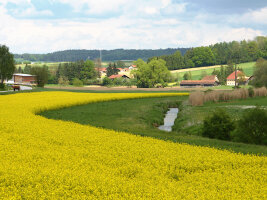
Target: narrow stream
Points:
(169, 120)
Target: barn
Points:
(25, 79)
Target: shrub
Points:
(62, 80)
(252, 127)
(2, 86)
(91, 81)
(106, 81)
(76, 82)
(118, 81)
(218, 126)
(250, 92)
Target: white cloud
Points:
(256, 16)
(127, 31)
(150, 10)
(174, 9)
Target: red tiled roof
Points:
(117, 76)
(232, 76)
(211, 77)
(197, 82)
(133, 65)
(101, 69)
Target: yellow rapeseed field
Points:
(49, 159)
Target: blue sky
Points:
(41, 26)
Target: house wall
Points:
(24, 79)
(230, 82)
(28, 79)
(18, 79)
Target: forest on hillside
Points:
(107, 55)
(217, 54)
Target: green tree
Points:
(88, 70)
(20, 70)
(7, 64)
(203, 56)
(112, 69)
(27, 69)
(120, 64)
(260, 73)
(187, 76)
(41, 75)
(152, 73)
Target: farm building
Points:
(240, 77)
(118, 76)
(102, 70)
(23, 79)
(123, 69)
(207, 81)
(211, 78)
(132, 67)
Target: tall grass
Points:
(198, 98)
(260, 92)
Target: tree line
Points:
(217, 54)
(107, 55)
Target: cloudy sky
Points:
(41, 26)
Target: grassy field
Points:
(196, 72)
(51, 65)
(192, 117)
(141, 116)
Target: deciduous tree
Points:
(7, 64)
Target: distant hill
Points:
(107, 55)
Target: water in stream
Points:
(169, 119)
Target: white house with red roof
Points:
(132, 67)
(118, 76)
(230, 81)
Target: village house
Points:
(241, 78)
(122, 70)
(119, 76)
(207, 81)
(132, 67)
(102, 70)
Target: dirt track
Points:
(101, 88)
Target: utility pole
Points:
(235, 74)
(99, 62)
(100, 57)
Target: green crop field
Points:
(141, 116)
(196, 74)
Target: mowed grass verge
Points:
(140, 116)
